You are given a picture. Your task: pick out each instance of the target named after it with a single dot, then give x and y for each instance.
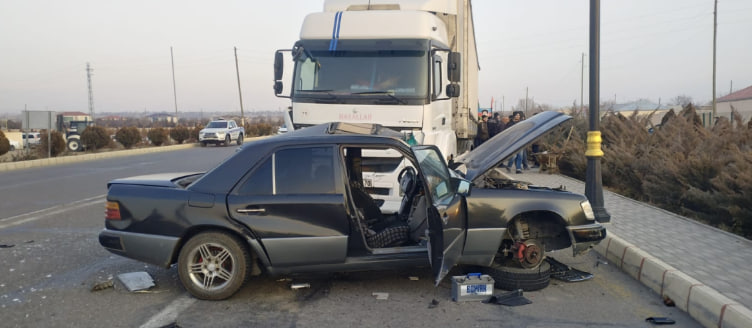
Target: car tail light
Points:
(112, 211)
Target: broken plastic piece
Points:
(102, 285)
(413, 278)
(660, 321)
(513, 298)
(299, 286)
(381, 296)
(434, 303)
(567, 273)
(135, 281)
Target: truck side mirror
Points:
(277, 87)
(454, 66)
(453, 90)
(278, 68)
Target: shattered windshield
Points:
(389, 70)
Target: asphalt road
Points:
(50, 218)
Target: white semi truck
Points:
(410, 65)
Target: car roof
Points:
(226, 174)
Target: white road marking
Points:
(36, 215)
(170, 313)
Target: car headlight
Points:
(588, 210)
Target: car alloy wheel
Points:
(240, 140)
(213, 265)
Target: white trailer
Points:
(410, 65)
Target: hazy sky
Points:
(649, 49)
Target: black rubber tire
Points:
(238, 267)
(227, 140)
(203, 144)
(509, 277)
(74, 144)
(240, 139)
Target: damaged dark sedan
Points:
(296, 203)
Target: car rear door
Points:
(447, 218)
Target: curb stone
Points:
(704, 304)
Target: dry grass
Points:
(704, 174)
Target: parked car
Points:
(13, 144)
(221, 131)
(31, 139)
(296, 203)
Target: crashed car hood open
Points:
(492, 152)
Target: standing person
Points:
(516, 158)
(493, 125)
(483, 133)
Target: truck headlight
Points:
(588, 210)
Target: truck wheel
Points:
(203, 144)
(227, 140)
(213, 265)
(507, 276)
(240, 139)
(74, 144)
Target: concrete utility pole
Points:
(715, 32)
(526, 97)
(582, 83)
(237, 71)
(91, 95)
(593, 182)
(174, 90)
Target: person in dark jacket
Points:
(516, 158)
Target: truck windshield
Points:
(362, 71)
(217, 125)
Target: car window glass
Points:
(304, 171)
(260, 182)
(435, 173)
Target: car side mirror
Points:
(463, 187)
(452, 90)
(454, 66)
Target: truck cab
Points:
(407, 65)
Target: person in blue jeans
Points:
(517, 158)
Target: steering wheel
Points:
(407, 180)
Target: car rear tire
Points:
(227, 140)
(507, 276)
(240, 139)
(213, 265)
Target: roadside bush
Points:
(180, 134)
(258, 129)
(128, 136)
(57, 142)
(4, 144)
(95, 137)
(195, 131)
(682, 167)
(157, 136)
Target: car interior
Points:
(407, 227)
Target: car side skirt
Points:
(360, 263)
(305, 250)
(481, 245)
(154, 249)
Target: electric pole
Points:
(91, 95)
(715, 32)
(526, 97)
(174, 91)
(582, 83)
(237, 71)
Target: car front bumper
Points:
(584, 237)
(154, 249)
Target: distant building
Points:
(645, 107)
(163, 117)
(741, 101)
